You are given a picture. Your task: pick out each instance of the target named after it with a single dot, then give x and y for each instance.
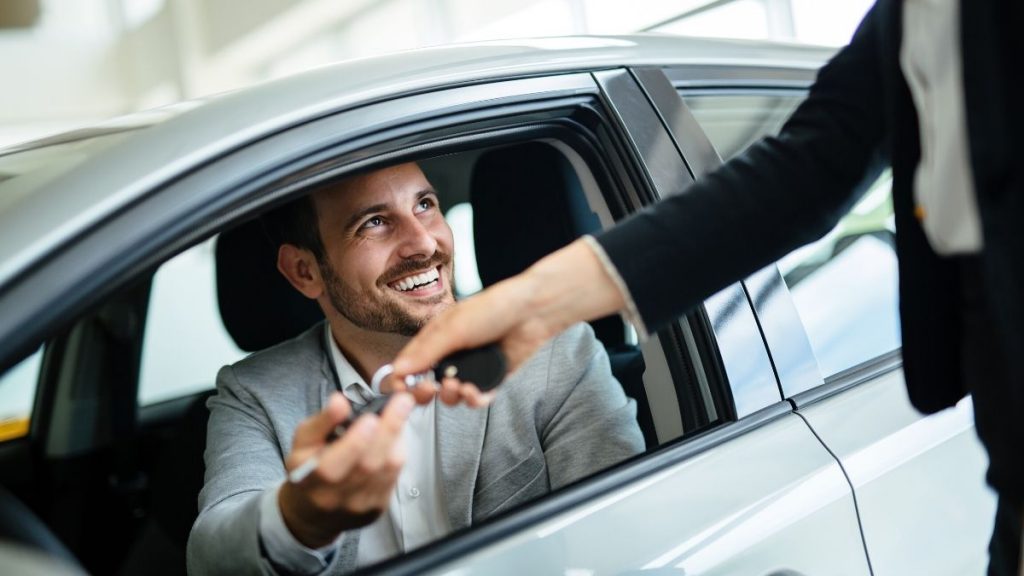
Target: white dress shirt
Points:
(930, 57)
(416, 515)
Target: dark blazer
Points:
(789, 190)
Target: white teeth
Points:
(411, 282)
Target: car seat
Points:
(259, 308)
(528, 202)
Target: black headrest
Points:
(528, 202)
(258, 306)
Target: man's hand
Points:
(352, 484)
(520, 313)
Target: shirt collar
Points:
(352, 384)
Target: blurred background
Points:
(68, 63)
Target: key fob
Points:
(484, 366)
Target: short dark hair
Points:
(295, 223)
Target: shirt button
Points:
(414, 492)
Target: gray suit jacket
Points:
(560, 417)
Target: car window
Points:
(467, 276)
(844, 286)
(17, 389)
(185, 342)
(734, 121)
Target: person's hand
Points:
(352, 484)
(520, 313)
(451, 391)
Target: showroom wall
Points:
(69, 63)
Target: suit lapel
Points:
(460, 438)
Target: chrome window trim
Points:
(850, 378)
(732, 77)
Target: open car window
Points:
(516, 181)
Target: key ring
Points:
(379, 376)
(411, 381)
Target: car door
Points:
(829, 314)
(735, 488)
(737, 482)
(744, 496)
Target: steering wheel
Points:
(20, 525)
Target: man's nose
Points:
(417, 240)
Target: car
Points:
(780, 439)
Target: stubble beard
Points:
(383, 314)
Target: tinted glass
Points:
(844, 286)
(734, 121)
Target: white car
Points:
(780, 438)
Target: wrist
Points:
(571, 285)
(300, 519)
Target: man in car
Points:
(375, 252)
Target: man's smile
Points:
(425, 283)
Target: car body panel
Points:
(745, 507)
(181, 142)
(919, 480)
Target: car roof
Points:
(164, 145)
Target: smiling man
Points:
(376, 254)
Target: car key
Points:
(484, 367)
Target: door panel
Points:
(751, 505)
(919, 480)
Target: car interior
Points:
(96, 455)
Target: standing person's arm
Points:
(781, 193)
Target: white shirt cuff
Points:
(282, 548)
(630, 314)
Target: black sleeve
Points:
(781, 193)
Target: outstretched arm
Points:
(522, 312)
(781, 193)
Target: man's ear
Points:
(299, 266)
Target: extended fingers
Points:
(455, 391)
(434, 341)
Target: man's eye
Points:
(373, 222)
(425, 204)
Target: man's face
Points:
(388, 250)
